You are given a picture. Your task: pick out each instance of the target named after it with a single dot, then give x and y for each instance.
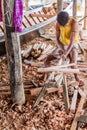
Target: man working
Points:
(67, 37)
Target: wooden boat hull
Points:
(34, 20)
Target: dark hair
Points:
(62, 18)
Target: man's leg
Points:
(73, 59)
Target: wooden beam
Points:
(42, 15)
(79, 109)
(17, 86)
(65, 92)
(74, 123)
(85, 20)
(58, 69)
(74, 8)
(26, 5)
(36, 91)
(13, 53)
(60, 5)
(74, 100)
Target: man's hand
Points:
(61, 51)
(64, 56)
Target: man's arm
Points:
(58, 42)
(74, 31)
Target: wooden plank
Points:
(41, 12)
(58, 69)
(51, 90)
(65, 93)
(55, 67)
(41, 15)
(82, 94)
(39, 18)
(24, 24)
(36, 91)
(26, 52)
(74, 123)
(80, 106)
(74, 100)
(35, 21)
(27, 20)
(41, 94)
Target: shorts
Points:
(75, 47)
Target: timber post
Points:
(85, 20)
(26, 5)
(60, 5)
(13, 53)
(74, 8)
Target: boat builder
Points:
(67, 38)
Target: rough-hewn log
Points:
(13, 53)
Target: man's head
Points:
(62, 18)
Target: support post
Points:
(74, 8)
(85, 20)
(13, 53)
(26, 5)
(60, 5)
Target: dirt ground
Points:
(50, 114)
